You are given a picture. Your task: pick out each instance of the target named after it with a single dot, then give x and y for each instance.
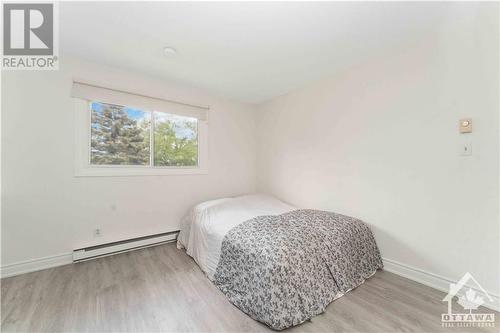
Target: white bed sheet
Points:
(206, 224)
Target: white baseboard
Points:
(433, 280)
(35, 264)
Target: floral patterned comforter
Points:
(284, 269)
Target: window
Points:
(119, 135)
(175, 140)
(122, 135)
(117, 140)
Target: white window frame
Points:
(83, 168)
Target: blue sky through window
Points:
(135, 114)
(132, 113)
(177, 121)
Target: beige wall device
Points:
(465, 125)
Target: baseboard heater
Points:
(108, 249)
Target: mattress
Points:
(278, 264)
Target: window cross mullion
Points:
(151, 139)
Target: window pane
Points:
(119, 135)
(175, 140)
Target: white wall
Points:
(47, 211)
(380, 142)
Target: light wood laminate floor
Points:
(161, 289)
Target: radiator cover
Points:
(108, 249)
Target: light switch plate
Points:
(465, 149)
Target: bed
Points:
(279, 264)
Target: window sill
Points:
(131, 171)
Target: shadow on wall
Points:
(384, 237)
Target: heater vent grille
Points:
(107, 249)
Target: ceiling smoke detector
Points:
(169, 52)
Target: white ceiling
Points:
(248, 51)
